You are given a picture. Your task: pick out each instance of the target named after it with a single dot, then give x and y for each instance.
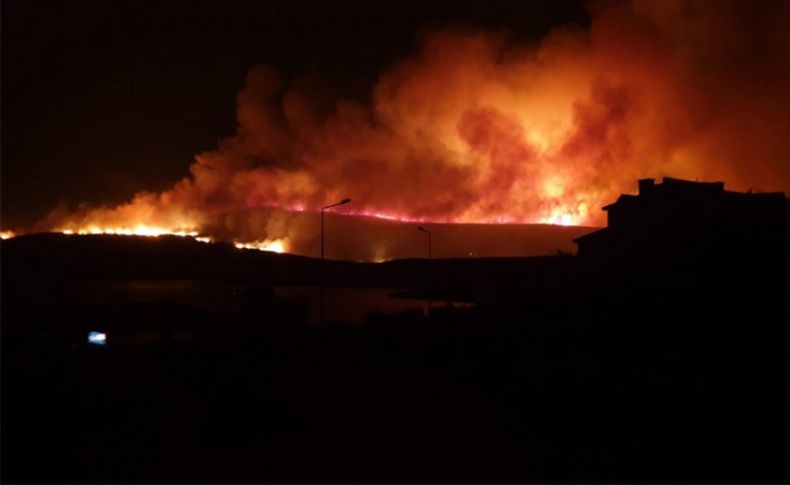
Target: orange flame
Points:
(137, 230)
(274, 245)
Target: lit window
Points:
(97, 338)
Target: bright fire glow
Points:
(560, 220)
(7, 234)
(273, 245)
(137, 230)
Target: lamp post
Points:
(323, 266)
(422, 229)
(342, 202)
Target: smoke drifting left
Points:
(478, 128)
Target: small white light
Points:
(97, 338)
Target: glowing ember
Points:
(273, 245)
(7, 234)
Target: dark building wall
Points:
(680, 222)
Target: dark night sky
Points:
(101, 99)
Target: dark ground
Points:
(563, 371)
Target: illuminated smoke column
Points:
(477, 127)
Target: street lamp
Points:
(422, 229)
(342, 202)
(323, 267)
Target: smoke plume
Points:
(478, 128)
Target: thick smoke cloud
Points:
(479, 128)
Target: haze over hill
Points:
(361, 238)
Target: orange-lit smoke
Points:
(477, 127)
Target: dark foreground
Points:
(563, 371)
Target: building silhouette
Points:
(681, 222)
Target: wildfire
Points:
(7, 234)
(478, 128)
(564, 216)
(137, 230)
(560, 220)
(561, 217)
(273, 245)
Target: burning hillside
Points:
(479, 128)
